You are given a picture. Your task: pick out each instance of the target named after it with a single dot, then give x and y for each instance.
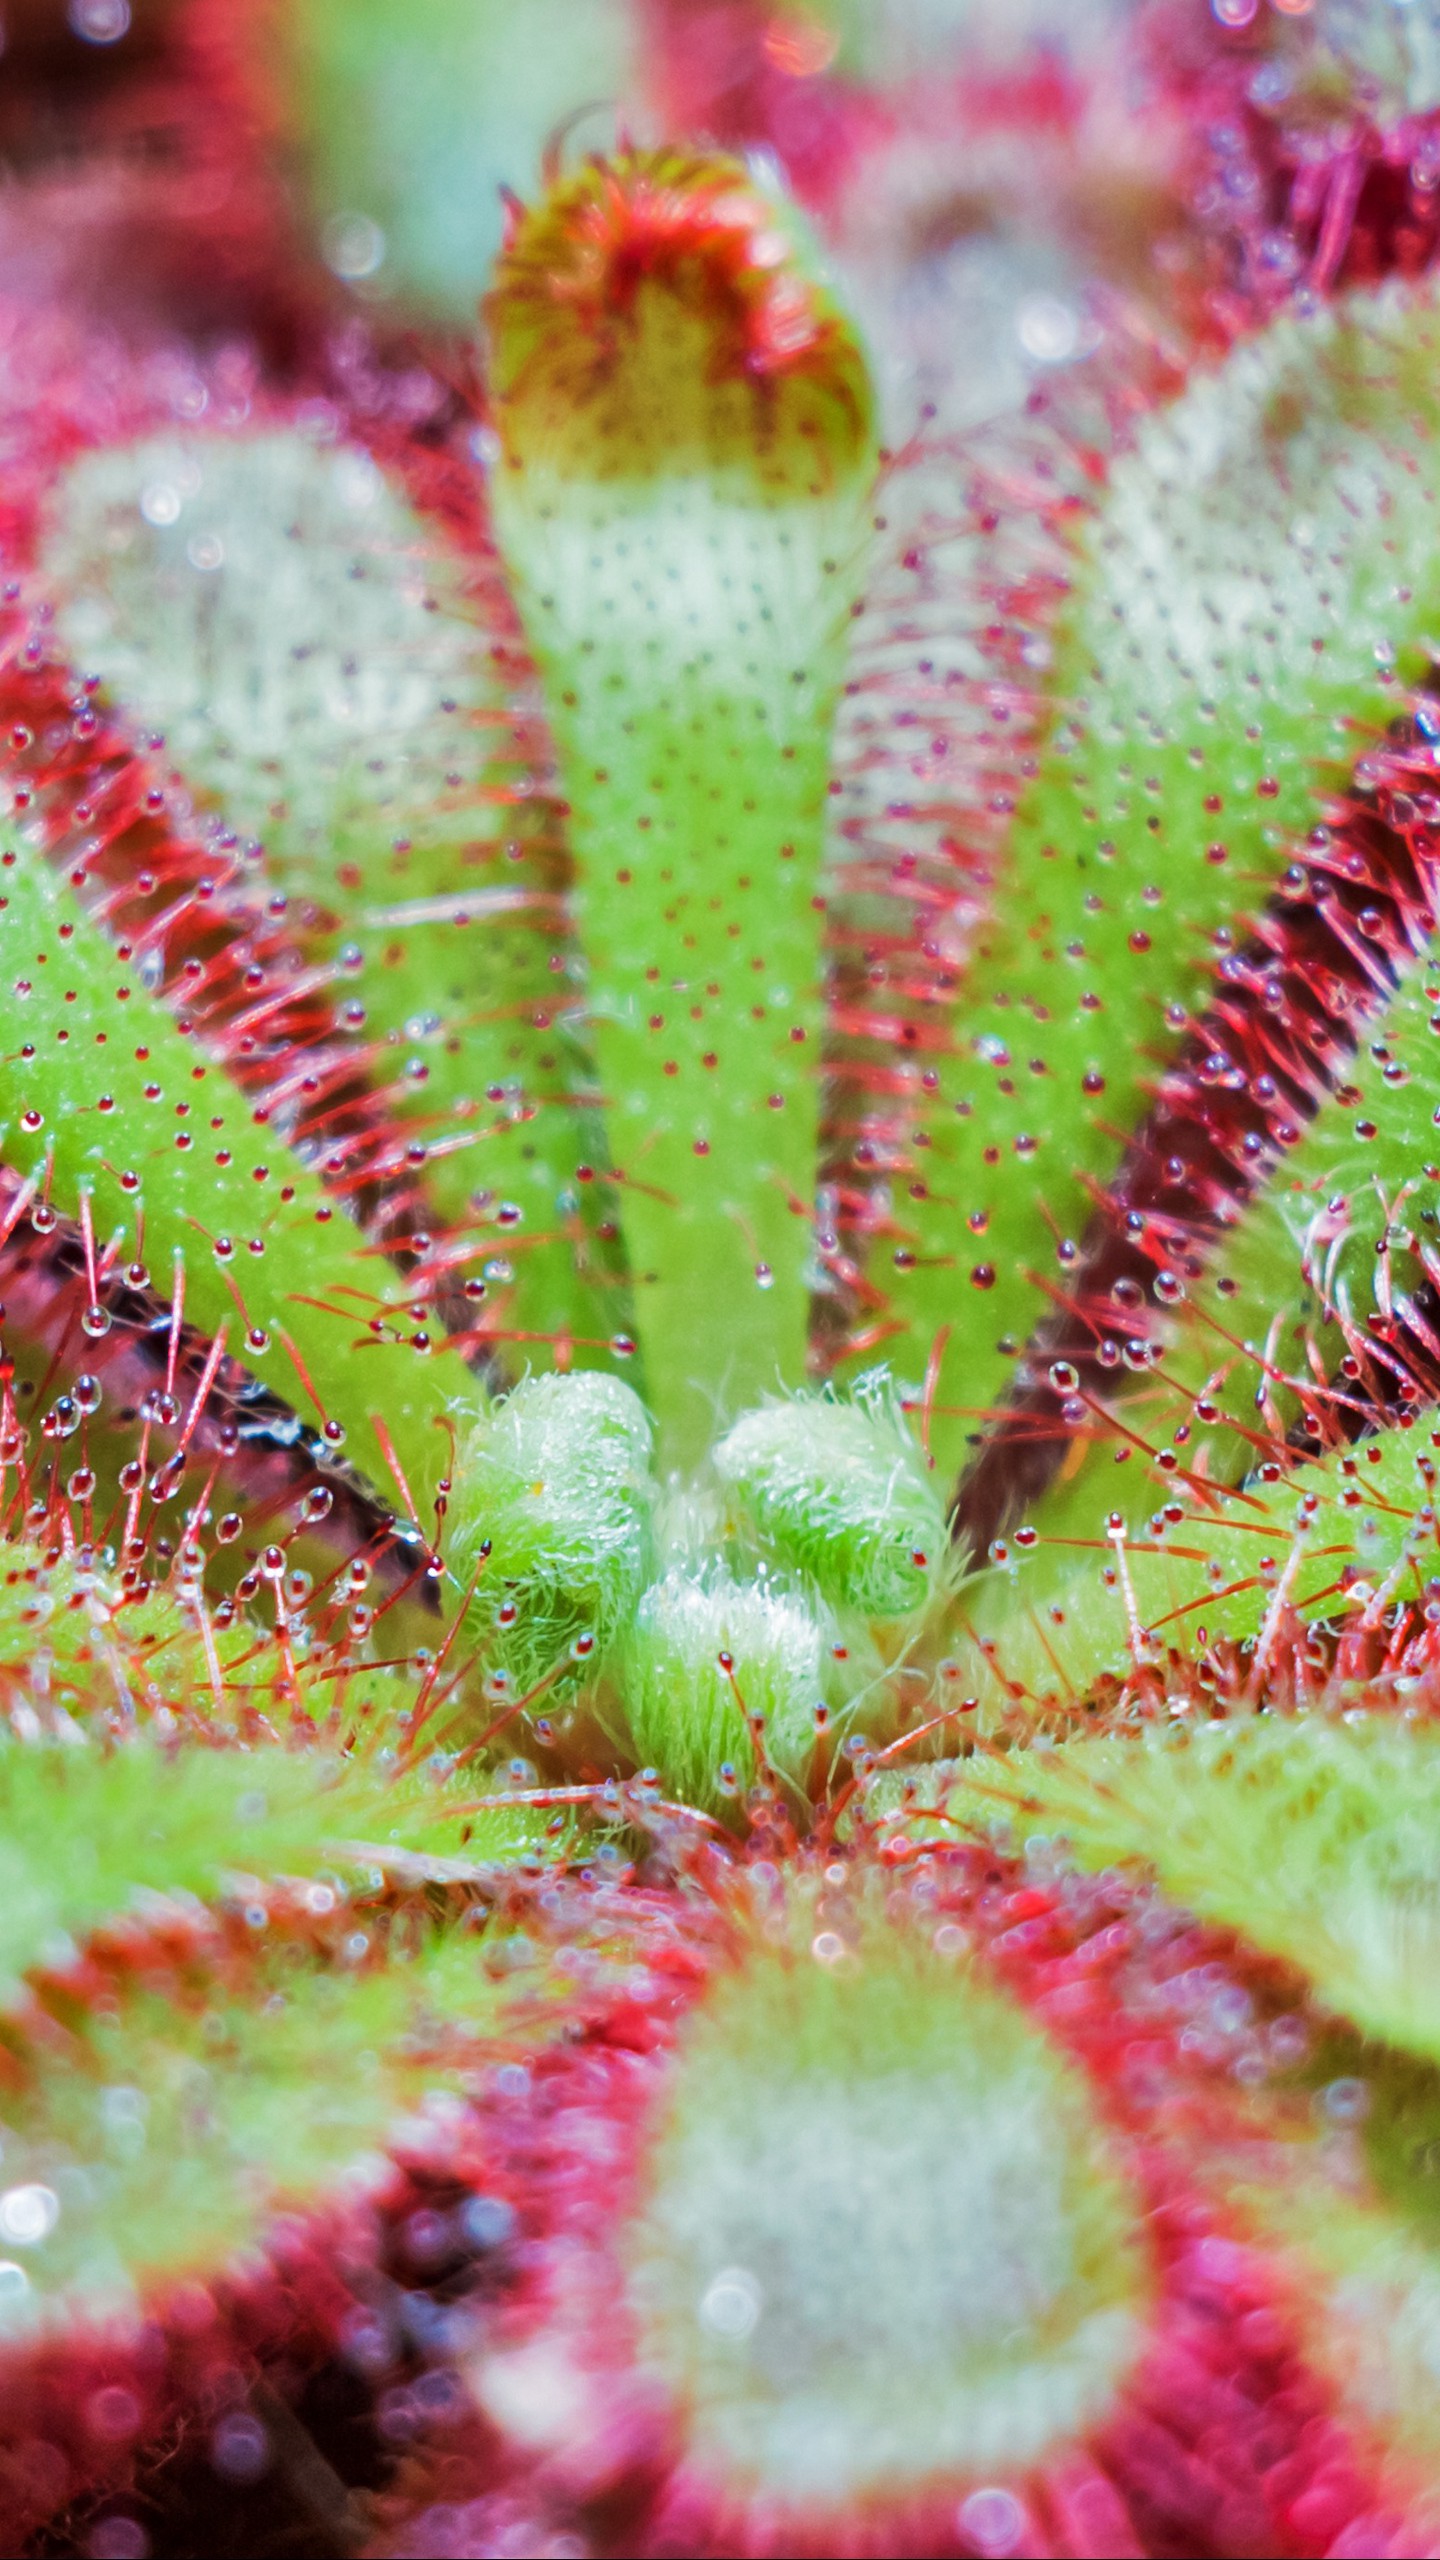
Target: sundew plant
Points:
(720, 1279)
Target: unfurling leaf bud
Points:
(552, 1534)
(718, 1672)
(839, 1491)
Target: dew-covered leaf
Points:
(1249, 591)
(687, 450)
(338, 679)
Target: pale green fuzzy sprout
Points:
(704, 1656)
(837, 1489)
(554, 1557)
(882, 2242)
(555, 1483)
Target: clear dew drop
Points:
(28, 2215)
(731, 2304)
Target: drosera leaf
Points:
(88, 1830)
(851, 2350)
(103, 1100)
(687, 453)
(1316, 1839)
(947, 2281)
(1250, 590)
(1345, 1539)
(192, 902)
(243, 2065)
(1260, 1274)
(87, 1652)
(73, 1320)
(1345, 2210)
(323, 672)
(254, 2105)
(1336, 1246)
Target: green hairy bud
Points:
(837, 1489)
(717, 1673)
(553, 1540)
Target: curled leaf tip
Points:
(626, 270)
